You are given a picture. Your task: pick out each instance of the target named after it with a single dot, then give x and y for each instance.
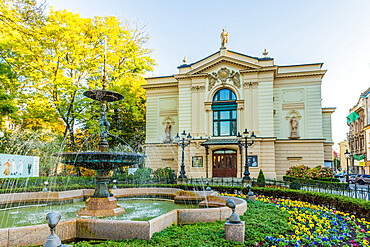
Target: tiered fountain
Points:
(102, 202)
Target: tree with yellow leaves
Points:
(59, 55)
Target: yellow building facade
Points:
(225, 93)
(343, 147)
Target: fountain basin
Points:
(112, 229)
(100, 160)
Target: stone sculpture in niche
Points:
(294, 127)
(167, 132)
(222, 75)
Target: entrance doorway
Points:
(224, 163)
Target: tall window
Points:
(224, 113)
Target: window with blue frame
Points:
(224, 113)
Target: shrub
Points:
(165, 174)
(261, 179)
(298, 171)
(318, 172)
(312, 181)
(295, 185)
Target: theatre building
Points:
(225, 93)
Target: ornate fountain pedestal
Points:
(102, 203)
(101, 207)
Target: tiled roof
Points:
(220, 142)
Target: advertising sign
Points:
(252, 161)
(18, 166)
(197, 161)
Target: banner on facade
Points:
(18, 166)
(358, 162)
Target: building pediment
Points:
(222, 61)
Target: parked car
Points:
(362, 179)
(340, 175)
(352, 178)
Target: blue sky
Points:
(334, 32)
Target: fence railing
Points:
(354, 191)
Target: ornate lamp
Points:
(246, 140)
(183, 142)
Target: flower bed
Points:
(313, 225)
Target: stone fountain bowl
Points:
(100, 160)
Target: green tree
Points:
(261, 179)
(60, 55)
(8, 92)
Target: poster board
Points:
(19, 166)
(252, 160)
(197, 161)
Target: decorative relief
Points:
(235, 77)
(247, 84)
(197, 88)
(253, 84)
(212, 78)
(197, 145)
(222, 75)
(293, 113)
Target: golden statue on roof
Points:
(224, 38)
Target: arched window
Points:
(224, 113)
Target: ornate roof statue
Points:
(224, 38)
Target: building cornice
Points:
(320, 140)
(188, 76)
(224, 59)
(320, 73)
(261, 70)
(160, 85)
(328, 110)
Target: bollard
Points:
(53, 240)
(208, 188)
(250, 196)
(234, 228)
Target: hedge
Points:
(21, 183)
(358, 207)
(328, 183)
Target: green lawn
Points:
(261, 220)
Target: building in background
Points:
(220, 95)
(343, 147)
(359, 134)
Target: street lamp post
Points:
(347, 157)
(183, 142)
(246, 140)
